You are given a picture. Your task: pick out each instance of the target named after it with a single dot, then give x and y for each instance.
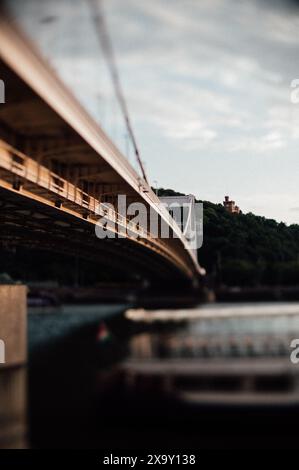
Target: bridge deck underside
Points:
(44, 129)
(29, 224)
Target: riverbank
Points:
(255, 294)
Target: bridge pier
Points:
(13, 354)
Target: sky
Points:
(208, 87)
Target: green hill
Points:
(245, 249)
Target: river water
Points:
(112, 375)
(220, 330)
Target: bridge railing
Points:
(23, 170)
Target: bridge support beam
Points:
(13, 353)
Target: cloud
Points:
(207, 82)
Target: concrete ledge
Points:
(13, 408)
(13, 335)
(13, 324)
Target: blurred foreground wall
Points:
(13, 355)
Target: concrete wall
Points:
(13, 349)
